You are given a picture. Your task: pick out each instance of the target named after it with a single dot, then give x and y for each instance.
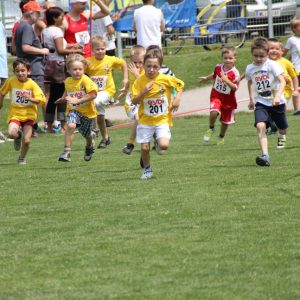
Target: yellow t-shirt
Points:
(21, 109)
(154, 108)
(78, 89)
(100, 72)
(289, 73)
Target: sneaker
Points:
(89, 152)
(128, 149)
(221, 141)
(22, 161)
(208, 134)
(158, 150)
(281, 143)
(148, 173)
(18, 141)
(263, 161)
(142, 163)
(3, 138)
(297, 112)
(65, 156)
(57, 128)
(104, 143)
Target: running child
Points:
(266, 85)
(135, 68)
(100, 69)
(80, 92)
(222, 98)
(25, 95)
(152, 91)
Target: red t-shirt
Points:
(77, 29)
(221, 90)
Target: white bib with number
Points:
(262, 84)
(221, 86)
(82, 37)
(77, 95)
(100, 81)
(19, 97)
(156, 106)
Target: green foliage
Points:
(209, 225)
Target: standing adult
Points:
(148, 22)
(104, 27)
(3, 66)
(76, 23)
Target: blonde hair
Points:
(137, 50)
(294, 23)
(227, 50)
(75, 58)
(98, 40)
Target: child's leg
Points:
(213, 115)
(133, 133)
(262, 137)
(102, 126)
(296, 104)
(27, 133)
(13, 130)
(223, 129)
(145, 153)
(69, 135)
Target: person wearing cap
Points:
(76, 23)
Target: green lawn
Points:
(209, 225)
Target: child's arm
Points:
(33, 100)
(225, 79)
(295, 86)
(176, 102)
(239, 79)
(62, 99)
(86, 98)
(1, 100)
(123, 90)
(276, 99)
(251, 95)
(148, 87)
(205, 78)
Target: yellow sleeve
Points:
(38, 93)
(90, 85)
(177, 84)
(291, 70)
(136, 88)
(118, 62)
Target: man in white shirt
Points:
(148, 22)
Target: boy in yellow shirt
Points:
(80, 92)
(152, 91)
(25, 95)
(100, 69)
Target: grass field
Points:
(209, 225)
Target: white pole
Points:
(270, 20)
(119, 44)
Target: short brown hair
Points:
(137, 50)
(260, 43)
(154, 53)
(20, 61)
(228, 49)
(96, 40)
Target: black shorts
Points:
(265, 113)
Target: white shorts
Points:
(101, 101)
(144, 133)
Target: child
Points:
(132, 110)
(136, 68)
(293, 45)
(80, 92)
(100, 68)
(290, 74)
(222, 97)
(152, 91)
(25, 95)
(266, 85)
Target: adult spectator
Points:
(104, 27)
(76, 23)
(3, 66)
(148, 22)
(53, 39)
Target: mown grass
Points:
(209, 225)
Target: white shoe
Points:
(148, 173)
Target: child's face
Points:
(138, 61)
(296, 30)
(275, 51)
(99, 50)
(21, 72)
(59, 20)
(229, 59)
(76, 69)
(151, 67)
(259, 56)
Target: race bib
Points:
(77, 95)
(262, 84)
(100, 81)
(82, 38)
(221, 86)
(19, 97)
(156, 106)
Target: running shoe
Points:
(104, 143)
(147, 174)
(263, 161)
(221, 141)
(89, 152)
(65, 156)
(281, 143)
(208, 134)
(128, 149)
(22, 161)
